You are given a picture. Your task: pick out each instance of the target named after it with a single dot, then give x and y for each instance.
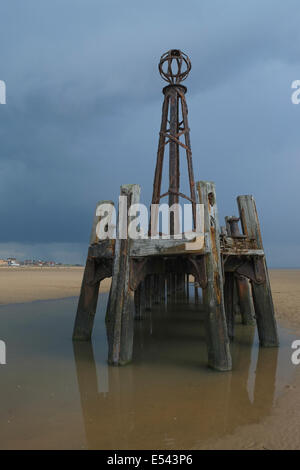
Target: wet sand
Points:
(282, 429)
(54, 397)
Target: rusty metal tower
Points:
(174, 67)
(229, 266)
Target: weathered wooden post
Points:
(241, 288)
(180, 282)
(121, 307)
(88, 298)
(87, 304)
(245, 300)
(148, 302)
(196, 292)
(262, 296)
(229, 304)
(169, 286)
(138, 302)
(219, 356)
(162, 288)
(187, 288)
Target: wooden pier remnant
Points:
(243, 255)
(152, 269)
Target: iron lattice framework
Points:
(174, 67)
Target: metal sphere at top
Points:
(174, 66)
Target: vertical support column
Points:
(173, 285)
(187, 287)
(121, 306)
(147, 293)
(143, 298)
(169, 284)
(180, 282)
(138, 302)
(236, 303)
(245, 300)
(89, 292)
(219, 356)
(152, 289)
(262, 296)
(196, 292)
(156, 289)
(162, 288)
(87, 304)
(229, 304)
(241, 288)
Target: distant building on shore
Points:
(31, 262)
(12, 262)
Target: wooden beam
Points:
(102, 249)
(155, 247)
(243, 252)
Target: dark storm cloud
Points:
(84, 102)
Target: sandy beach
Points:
(280, 430)
(26, 284)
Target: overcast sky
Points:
(84, 107)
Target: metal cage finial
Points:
(174, 66)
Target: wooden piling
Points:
(89, 292)
(219, 356)
(261, 291)
(162, 288)
(196, 292)
(180, 282)
(138, 303)
(156, 289)
(245, 300)
(169, 285)
(87, 304)
(187, 287)
(229, 303)
(242, 297)
(147, 293)
(121, 308)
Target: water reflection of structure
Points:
(163, 400)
